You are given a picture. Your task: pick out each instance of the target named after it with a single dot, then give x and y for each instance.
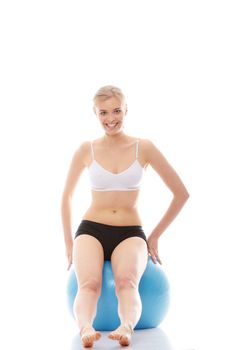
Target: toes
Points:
(122, 334)
(124, 340)
(114, 336)
(97, 335)
(89, 339)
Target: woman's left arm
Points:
(180, 194)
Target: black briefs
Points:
(108, 235)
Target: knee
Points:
(125, 282)
(91, 284)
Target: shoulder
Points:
(151, 154)
(147, 146)
(82, 148)
(155, 158)
(145, 143)
(82, 152)
(85, 145)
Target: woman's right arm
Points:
(76, 168)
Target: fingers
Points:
(69, 262)
(69, 265)
(155, 257)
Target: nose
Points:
(111, 118)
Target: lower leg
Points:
(85, 306)
(88, 259)
(129, 260)
(129, 310)
(85, 310)
(129, 306)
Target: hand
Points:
(69, 254)
(153, 251)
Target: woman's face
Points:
(111, 114)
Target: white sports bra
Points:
(104, 180)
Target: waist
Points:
(113, 216)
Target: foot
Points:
(88, 336)
(123, 334)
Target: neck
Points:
(113, 139)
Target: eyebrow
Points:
(104, 110)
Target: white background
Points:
(173, 60)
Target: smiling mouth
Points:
(111, 126)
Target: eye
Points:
(102, 113)
(117, 111)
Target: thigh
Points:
(129, 259)
(88, 258)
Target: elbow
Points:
(186, 195)
(182, 196)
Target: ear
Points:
(126, 109)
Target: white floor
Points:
(142, 339)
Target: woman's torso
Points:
(117, 208)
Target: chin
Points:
(113, 132)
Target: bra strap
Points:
(137, 149)
(92, 151)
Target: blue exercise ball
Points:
(154, 290)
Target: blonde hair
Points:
(109, 91)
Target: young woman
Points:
(111, 228)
